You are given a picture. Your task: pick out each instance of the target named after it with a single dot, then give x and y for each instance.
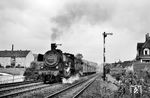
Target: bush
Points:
(19, 66)
(1, 66)
(9, 66)
(31, 74)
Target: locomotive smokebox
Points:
(53, 46)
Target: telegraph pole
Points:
(104, 51)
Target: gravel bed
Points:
(41, 93)
(100, 89)
(72, 91)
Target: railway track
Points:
(83, 89)
(75, 90)
(23, 90)
(16, 84)
(17, 90)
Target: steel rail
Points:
(16, 84)
(83, 89)
(19, 87)
(22, 91)
(65, 89)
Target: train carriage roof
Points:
(89, 63)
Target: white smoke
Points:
(71, 79)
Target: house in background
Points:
(143, 50)
(16, 57)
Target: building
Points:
(16, 58)
(143, 50)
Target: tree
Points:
(79, 56)
(19, 66)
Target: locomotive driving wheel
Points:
(45, 79)
(58, 79)
(48, 79)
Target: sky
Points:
(77, 25)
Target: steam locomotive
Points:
(56, 65)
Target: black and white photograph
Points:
(74, 49)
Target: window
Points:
(146, 61)
(146, 51)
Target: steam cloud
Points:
(123, 15)
(90, 12)
(71, 79)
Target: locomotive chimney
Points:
(53, 46)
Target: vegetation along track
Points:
(74, 90)
(17, 90)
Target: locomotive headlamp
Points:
(41, 67)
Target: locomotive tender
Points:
(57, 65)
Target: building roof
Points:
(17, 53)
(143, 45)
(146, 44)
(139, 45)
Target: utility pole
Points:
(104, 51)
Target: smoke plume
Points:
(92, 13)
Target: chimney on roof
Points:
(12, 47)
(147, 36)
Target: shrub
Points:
(8, 66)
(19, 66)
(1, 66)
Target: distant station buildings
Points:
(143, 50)
(16, 58)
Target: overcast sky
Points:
(77, 25)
